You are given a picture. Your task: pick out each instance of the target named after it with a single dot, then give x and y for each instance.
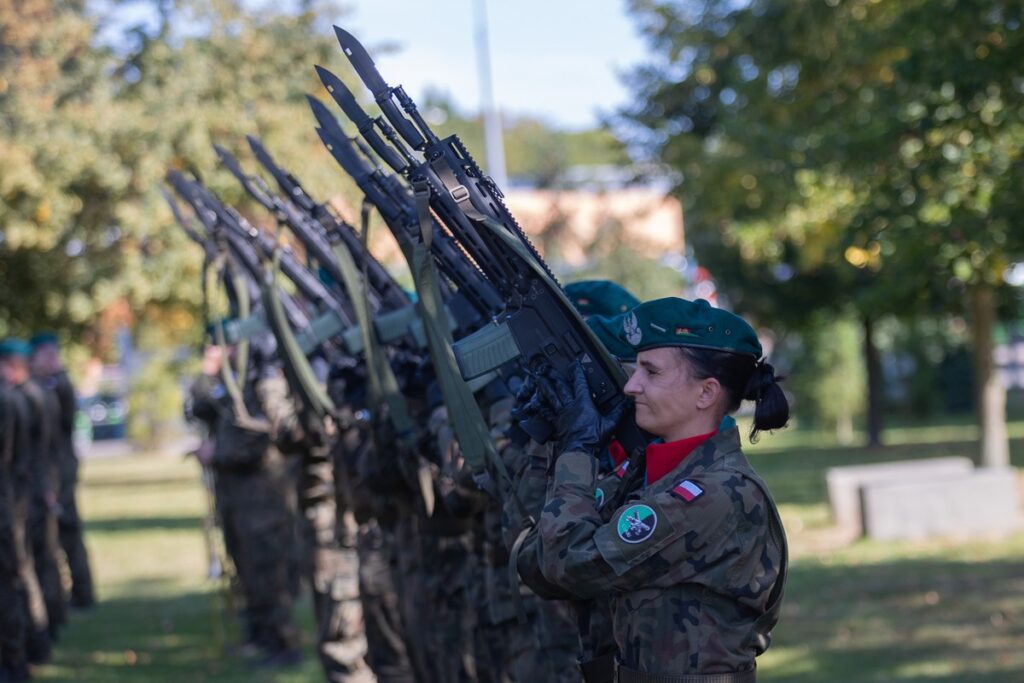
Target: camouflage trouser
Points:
(333, 572)
(385, 634)
(546, 649)
(258, 518)
(435, 608)
(491, 643)
(44, 539)
(69, 525)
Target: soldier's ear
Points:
(710, 393)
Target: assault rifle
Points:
(538, 325)
(205, 206)
(389, 293)
(394, 202)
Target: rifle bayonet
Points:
(383, 93)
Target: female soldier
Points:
(694, 557)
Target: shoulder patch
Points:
(687, 490)
(599, 497)
(620, 471)
(637, 523)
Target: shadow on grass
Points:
(132, 484)
(920, 620)
(158, 637)
(136, 524)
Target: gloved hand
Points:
(532, 416)
(579, 426)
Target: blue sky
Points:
(558, 59)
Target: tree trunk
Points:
(874, 369)
(989, 392)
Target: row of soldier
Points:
(41, 540)
(400, 592)
(441, 450)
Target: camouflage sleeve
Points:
(455, 485)
(279, 408)
(656, 540)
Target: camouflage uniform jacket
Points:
(690, 561)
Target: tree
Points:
(865, 154)
(89, 133)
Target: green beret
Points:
(14, 347)
(225, 326)
(599, 297)
(678, 322)
(609, 331)
(42, 339)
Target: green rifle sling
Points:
(297, 367)
(383, 385)
(470, 428)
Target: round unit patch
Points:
(599, 497)
(637, 524)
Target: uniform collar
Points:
(663, 457)
(721, 451)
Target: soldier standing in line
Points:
(42, 531)
(256, 498)
(372, 516)
(26, 480)
(48, 368)
(696, 554)
(434, 556)
(329, 558)
(13, 624)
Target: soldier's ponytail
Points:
(771, 408)
(743, 378)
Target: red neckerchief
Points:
(617, 452)
(662, 458)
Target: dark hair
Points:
(743, 377)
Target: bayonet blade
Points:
(362, 62)
(324, 117)
(344, 97)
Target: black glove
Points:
(579, 426)
(533, 417)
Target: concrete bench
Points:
(983, 502)
(845, 484)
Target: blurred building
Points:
(597, 208)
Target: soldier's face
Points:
(14, 370)
(669, 401)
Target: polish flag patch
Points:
(620, 471)
(687, 490)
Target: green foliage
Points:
(827, 379)
(534, 150)
(89, 133)
(154, 400)
(837, 153)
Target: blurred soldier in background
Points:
(13, 622)
(327, 538)
(49, 371)
(255, 497)
(27, 484)
(374, 516)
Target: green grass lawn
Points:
(949, 610)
